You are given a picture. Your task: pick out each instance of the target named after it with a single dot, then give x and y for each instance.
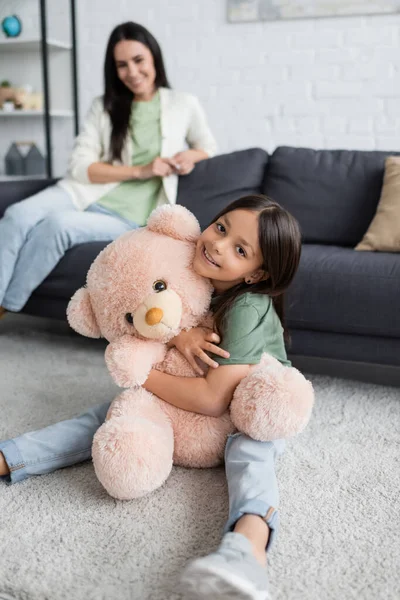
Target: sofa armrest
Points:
(14, 191)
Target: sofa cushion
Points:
(216, 182)
(333, 193)
(384, 232)
(345, 347)
(340, 290)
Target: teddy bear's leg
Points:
(273, 402)
(132, 451)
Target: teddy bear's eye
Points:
(129, 318)
(159, 286)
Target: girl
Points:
(125, 162)
(250, 253)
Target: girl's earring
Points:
(248, 281)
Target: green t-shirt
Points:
(134, 200)
(252, 327)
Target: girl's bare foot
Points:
(4, 470)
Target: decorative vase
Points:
(12, 26)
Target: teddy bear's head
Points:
(143, 283)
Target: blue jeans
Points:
(37, 232)
(250, 465)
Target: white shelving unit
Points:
(35, 113)
(31, 44)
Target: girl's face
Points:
(228, 251)
(135, 68)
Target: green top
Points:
(134, 200)
(252, 327)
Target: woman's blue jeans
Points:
(250, 465)
(37, 232)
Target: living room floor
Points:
(62, 536)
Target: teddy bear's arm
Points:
(130, 360)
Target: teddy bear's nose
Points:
(154, 316)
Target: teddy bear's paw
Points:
(272, 403)
(130, 360)
(132, 457)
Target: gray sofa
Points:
(342, 309)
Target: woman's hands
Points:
(180, 164)
(194, 343)
(183, 162)
(159, 167)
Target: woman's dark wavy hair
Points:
(117, 97)
(280, 243)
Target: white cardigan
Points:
(183, 121)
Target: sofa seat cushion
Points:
(218, 181)
(340, 290)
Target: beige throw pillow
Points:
(384, 231)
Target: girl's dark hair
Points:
(117, 97)
(280, 243)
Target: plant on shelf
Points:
(6, 92)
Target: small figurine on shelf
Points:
(20, 98)
(14, 161)
(24, 158)
(12, 26)
(26, 99)
(35, 101)
(34, 162)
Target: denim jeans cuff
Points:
(11, 307)
(268, 513)
(14, 462)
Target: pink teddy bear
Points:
(141, 292)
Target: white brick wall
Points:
(327, 83)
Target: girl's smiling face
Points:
(228, 251)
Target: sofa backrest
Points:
(216, 182)
(332, 193)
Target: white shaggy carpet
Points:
(62, 537)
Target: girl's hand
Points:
(195, 342)
(182, 163)
(159, 167)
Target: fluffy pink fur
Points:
(134, 450)
(179, 225)
(130, 360)
(80, 312)
(272, 402)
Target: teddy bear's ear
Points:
(80, 314)
(174, 221)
